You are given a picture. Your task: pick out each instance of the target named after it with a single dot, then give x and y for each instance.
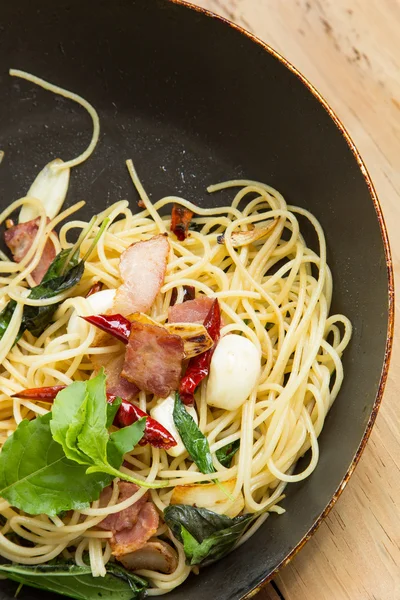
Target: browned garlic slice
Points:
(211, 496)
(195, 338)
(243, 238)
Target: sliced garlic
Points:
(196, 339)
(50, 187)
(211, 496)
(234, 371)
(243, 238)
(163, 413)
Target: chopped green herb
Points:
(193, 439)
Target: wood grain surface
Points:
(350, 50)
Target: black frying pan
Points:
(194, 101)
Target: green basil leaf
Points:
(226, 453)
(200, 522)
(206, 536)
(93, 438)
(58, 266)
(37, 318)
(127, 438)
(112, 410)
(6, 316)
(74, 430)
(193, 439)
(37, 477)
(220, 543)
(68, 418)
(67, 579)
(190, 544)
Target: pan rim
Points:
(389, 268)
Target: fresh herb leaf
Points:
(127, 438)
(112, 410)
(226, 453)
(37, 477)
(36, 318)
(93, 438)
(67, 579)
(200, 522)
(6, 316)
(193, 439)
(68, 418)
(206, 536)
(190, 544)
(62, 262)
(89, 443)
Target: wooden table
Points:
(350, 50)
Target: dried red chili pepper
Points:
(115, 325)
(46, 394)
(154, 434)
(96, 287)
(189, 293)
(199, 366)
(180, 221)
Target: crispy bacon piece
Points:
(130, 540)
(133, 526)
(112, 364)
(180, 221)
(127, 517)
(142, 267)
(19, 238)
(192, 311)
(153, 359)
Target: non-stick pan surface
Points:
(194, 101)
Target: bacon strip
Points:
(192, 311)
(19, 238)
(133, 526)
(142, 267)
(153, 359)
(127, 517)
(129, 540)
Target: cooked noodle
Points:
(276, 292)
